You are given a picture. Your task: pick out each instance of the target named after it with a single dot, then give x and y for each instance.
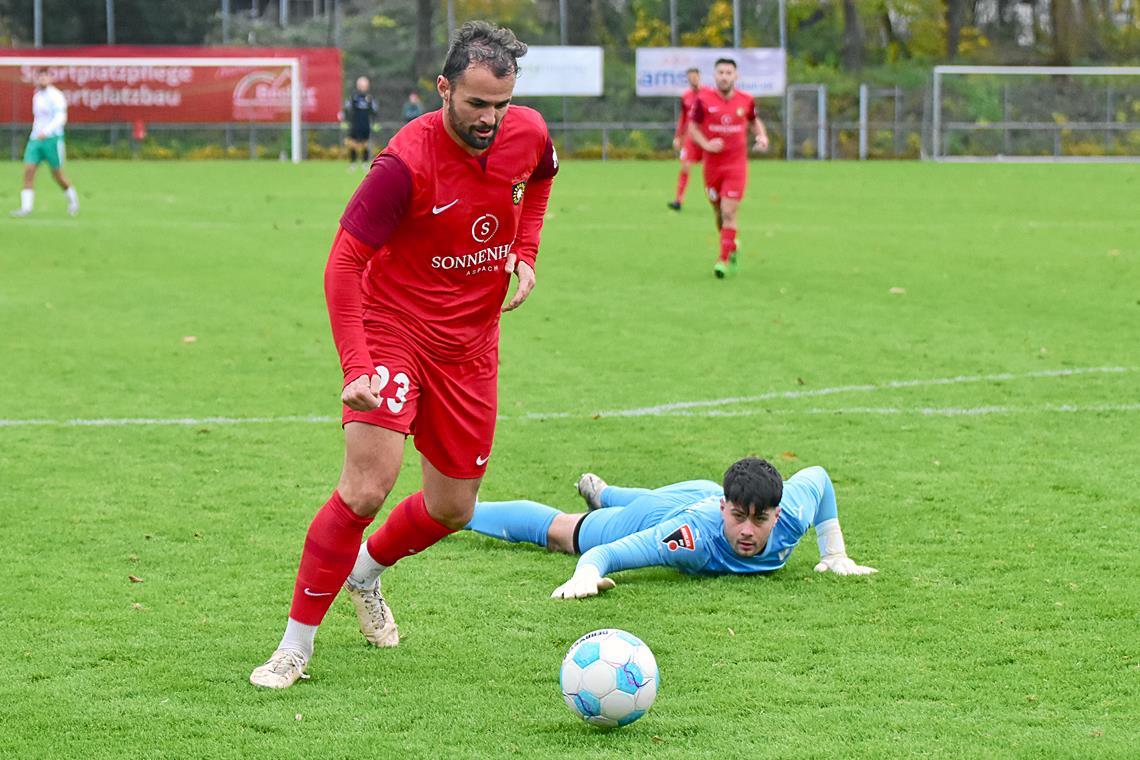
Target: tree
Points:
(953, 27)
(852, 37)
(423, 62)
(1063, 21)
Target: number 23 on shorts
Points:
(397, 400)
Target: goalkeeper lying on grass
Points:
(751, 525)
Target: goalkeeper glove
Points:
(587, 581)
(833, 553)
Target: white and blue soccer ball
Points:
(609, 678)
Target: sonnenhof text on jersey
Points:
(473, 262)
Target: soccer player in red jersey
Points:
(719, 124)
(690, 152)
(415, 285)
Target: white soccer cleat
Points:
(73, 209)
(283, 669)
(19, 212)
(375, 616)
(590, 486)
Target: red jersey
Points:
(431, 227)
(726, 118)
(687, 101)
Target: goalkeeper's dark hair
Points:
(729, 61)
(483, 43)
(754, 485)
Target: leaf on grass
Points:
(134, 579)
(898, 291)
(189, 338)
(133, 557)
(1114, 252)
(789, 455)
(657, 740)
(136, 606)
(297, 716)
(731, 632)
(148, 536)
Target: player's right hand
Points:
(841, 564)
(716, 145)
(586, 582)
(362, 394)
(676, 143)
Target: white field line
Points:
(708, 408)
(649, 411)
(925, 411)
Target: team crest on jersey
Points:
(682, 538)
(517, 192)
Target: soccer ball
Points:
(609, 678)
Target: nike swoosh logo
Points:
(314, 593)
(480, 461)
(441, 209)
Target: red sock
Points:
(331, 546)
(727, 242)
(409, 529)
(682, 183)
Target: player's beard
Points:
(467, 133)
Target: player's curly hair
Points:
(753, 484)
(482, 42)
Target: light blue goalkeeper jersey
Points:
(681, 527)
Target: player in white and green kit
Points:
(49, 108)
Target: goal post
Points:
(1035, 113)
(137, 68)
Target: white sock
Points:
(366, 571)
(72, 196)
(300, 637)
(27, 198)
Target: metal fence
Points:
(875, 123)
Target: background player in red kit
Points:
(719, 124)
(690, 152)
(415, 284)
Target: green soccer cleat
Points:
(720, 270)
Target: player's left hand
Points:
(841, 564)
(761, 143)
(585, 582)
(523, 271)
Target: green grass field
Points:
(982, 429)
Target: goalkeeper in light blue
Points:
(751, 524)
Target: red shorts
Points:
(448, 407)
(690, 151)
(726, 180)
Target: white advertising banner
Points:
(661, 71)
(560, 70)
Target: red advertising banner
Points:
(170, 91)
